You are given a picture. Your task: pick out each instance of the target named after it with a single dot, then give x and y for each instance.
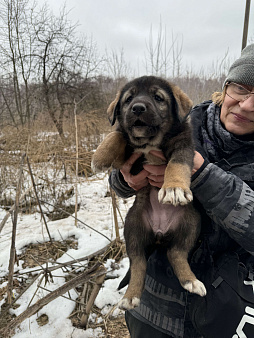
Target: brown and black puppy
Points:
(150, 114)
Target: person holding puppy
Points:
(223, 190)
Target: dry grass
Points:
(41, 142)
(117, 328)
(46, 149)
(114, 328)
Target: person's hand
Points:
(138, 181)
(156, 172)
(197, 162)
(151, 174)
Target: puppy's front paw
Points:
(98, 167)
(128, 304)
(94, 168)
(110, 153)
(175, 196)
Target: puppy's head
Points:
(146, 109)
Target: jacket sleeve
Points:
(118, 184)
(228, 201)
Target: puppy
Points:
(150, 114)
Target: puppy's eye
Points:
(158, 98)
(129, 98)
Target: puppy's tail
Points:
(125, 280)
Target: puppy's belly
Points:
(161, 217)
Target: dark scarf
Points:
(217, 142)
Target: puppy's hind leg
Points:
(178, 260)
(132, 296)
(137, 238)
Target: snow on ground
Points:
(96, 212)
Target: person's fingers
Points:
(134, 179)
(158, 184)
(153, 174)
(197, 162)
(156, 170)
(154, 178)
(137, 185)
(129, 163)
(158, 153)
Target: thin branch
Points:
(67, 213)
(14, 231)
(77, 260)
(37, 198)
(114, 205)
(77, 162)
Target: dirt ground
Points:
(116, 328)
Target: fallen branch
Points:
(94, 271)
(77, 260)
(41, 270)
(84, 318)
(3, 313)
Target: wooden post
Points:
(246, 24)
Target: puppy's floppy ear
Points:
(113, 109)
(184, 103)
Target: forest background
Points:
(55, 85)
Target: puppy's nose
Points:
(138, 108)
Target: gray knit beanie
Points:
(242, 70)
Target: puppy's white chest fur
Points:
(146, 149)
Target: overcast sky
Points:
(206, 29)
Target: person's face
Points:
(238, 116)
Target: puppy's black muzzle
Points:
(138, 108)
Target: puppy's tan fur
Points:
(150, 114)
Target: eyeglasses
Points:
(237, 92)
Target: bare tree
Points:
(163, 59)
(62, 61)
(16, 63)
(176, 48)
(157, 60)
(116, 64)
(43, 61)
(117, 67)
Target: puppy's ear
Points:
(184, 103)
(113, 109)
